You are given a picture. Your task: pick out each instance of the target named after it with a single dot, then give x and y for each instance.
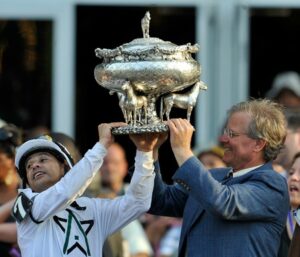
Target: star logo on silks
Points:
(75, 233)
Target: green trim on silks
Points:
(70, 217)
(67, 232)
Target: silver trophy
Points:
(148, 74)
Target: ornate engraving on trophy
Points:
(145, 71)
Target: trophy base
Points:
(156, 128)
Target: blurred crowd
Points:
(150, 235)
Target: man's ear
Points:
(259, 145)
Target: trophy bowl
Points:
(144, 71)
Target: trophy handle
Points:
(134, 105)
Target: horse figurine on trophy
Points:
(184, 101)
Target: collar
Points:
(245, 171)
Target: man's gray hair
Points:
(268, 123)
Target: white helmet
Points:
(41, 144)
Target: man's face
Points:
(240, 151)
(43, 170)
(291, 147)
(294, 184)
(210, 161)
(114, 167)
(288, 99)
(6, 165)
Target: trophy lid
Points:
(147, 48)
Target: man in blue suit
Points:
(229, 212)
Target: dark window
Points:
(25, 72)
(274, 46)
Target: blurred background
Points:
(47, 59)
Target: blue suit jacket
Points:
(242, 216)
